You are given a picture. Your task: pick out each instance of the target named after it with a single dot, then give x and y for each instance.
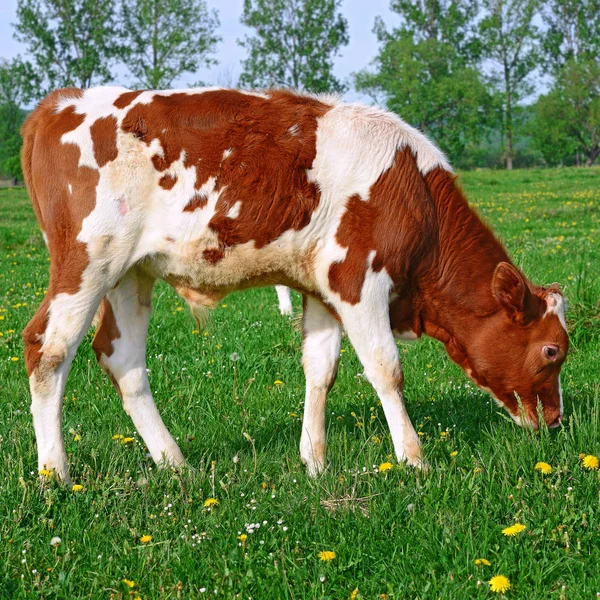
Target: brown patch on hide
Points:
(213, 255)
(107, 332)
(196, 202)
(167, 181)
(33, 336)
(104, 139)
(397, 222)
(126, 99)
(267, 171)
(50, 167)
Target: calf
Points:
(218, 190)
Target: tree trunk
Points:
(509, 149)
(509, 125)
(592, 155)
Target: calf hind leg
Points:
(120, 347)
(51, 340)
(320, 356)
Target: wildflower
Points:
(210, 502)
(45, 472)
(55, 541)
(117, 436)
(386, 466)
(76, 438)
(278, 382)
(482, 561)
(590, 462)
(127, 440)
(129, 583)
(514, 530)
(543, 468)
(499, 583)
(243, 537)
(15, 358)
(454, 453)
(77, 487)
(234, 356)
(326, 555)
(354, 594)
(145, 539)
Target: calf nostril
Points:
(555, 423)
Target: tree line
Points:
(462, 71)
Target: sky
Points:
(357, 55)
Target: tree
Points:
(17, 85)
(165, 38)
(427, 73)
(572, 32)
(71, 42)
(568, 118)
(508, 38)
(294, 45)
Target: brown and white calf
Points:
(218, 190)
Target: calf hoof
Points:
(313, 456)
(61, 475)
(171, 459)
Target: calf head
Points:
(519, 349)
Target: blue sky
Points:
(360, 51)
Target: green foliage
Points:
(72, 42)
(17, 86)
(509, 41)
(572, 32)
(426, 71)
(294, 44)
(163, 39)
(568, 118)
(403, 533)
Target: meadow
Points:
(244, 520)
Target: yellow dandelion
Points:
(129, 583)
(45, 472)
(590, 462)
(353, 594)
(482, 561)
(210, 502)
(145, 539)
(278, 382)
(77, 487)
(117, 436)
(326, 555)
(499, 584)
(454, 453)
(543, 468)
(386, 466)
(15, 358)
(127, 440)
(514, 530)
(76, 438)
(243, 537)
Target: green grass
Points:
(403, 533)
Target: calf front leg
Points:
(120, 347)
(368, 326)
(320, 356)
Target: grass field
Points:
(396, 534)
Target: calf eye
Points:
(551, 352)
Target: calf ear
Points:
(509, 289)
